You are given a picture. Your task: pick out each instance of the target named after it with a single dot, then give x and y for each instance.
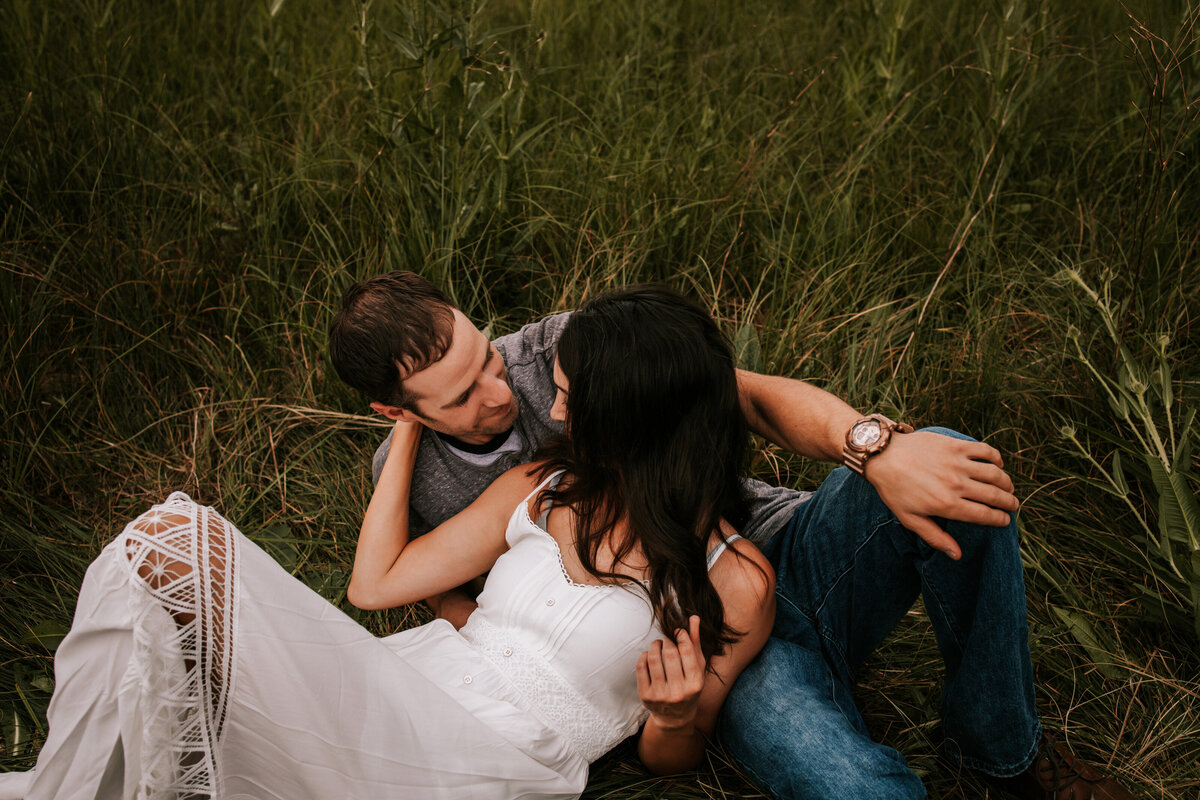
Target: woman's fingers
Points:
(643, 676)
(672, 671)
(672, 665)
(691, 657)
(654, 661)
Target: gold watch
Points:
(868, 437)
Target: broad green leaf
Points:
(47, 633)
(407, 47)
(281, 544)
(34, 699)
(1196, 591)
(1178, 515)
(1188, 505)
(1118, 473)
(1118, 402)
(1085, 634)
(747, 349)
(526, 135)
(1183, 448)
(496, 33)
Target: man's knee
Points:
(953, 434)
(786, 725)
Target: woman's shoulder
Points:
(511, 487)
(743, 577)
(520, 482)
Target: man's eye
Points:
(462, 401)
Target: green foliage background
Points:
(981, 215)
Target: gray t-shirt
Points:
(444, 483)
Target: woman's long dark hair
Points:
(656, 438)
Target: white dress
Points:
(259, 688)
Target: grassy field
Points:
(984, 215)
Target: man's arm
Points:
(919, 476)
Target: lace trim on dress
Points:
(558, 555)
(182, 558)
(550, 696)
(539, 525)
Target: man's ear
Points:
(394, 413)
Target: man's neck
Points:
(480, 449)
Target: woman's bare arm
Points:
(683, 710)
(390, 570)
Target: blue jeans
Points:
(846, 573)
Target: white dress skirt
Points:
(197, 667)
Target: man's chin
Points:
(503, 421)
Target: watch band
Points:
(856, 455)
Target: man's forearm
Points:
(796, 415)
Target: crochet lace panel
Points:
(548, 693)
(182, 558)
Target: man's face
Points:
(465, 394)
(561, 385)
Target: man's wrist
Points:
(867, 438)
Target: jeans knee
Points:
(881, 774)
(953, 434)
(784, 724)
(871, 772)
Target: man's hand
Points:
(924, 475)
(454, 606)
(918, 476)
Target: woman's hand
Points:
(670, 677)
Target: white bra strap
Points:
(716, 552)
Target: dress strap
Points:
(716, 552)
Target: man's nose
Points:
(499, 392)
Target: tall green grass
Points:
(981, 215)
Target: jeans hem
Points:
(992, 769)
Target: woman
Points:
(197, 667)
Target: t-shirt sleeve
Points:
(380, 457)
(535, 342)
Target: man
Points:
(927, 512)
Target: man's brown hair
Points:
(389, 327)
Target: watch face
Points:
(865, 433)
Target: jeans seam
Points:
(849, 564)
(781, 595)
(943, 607)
